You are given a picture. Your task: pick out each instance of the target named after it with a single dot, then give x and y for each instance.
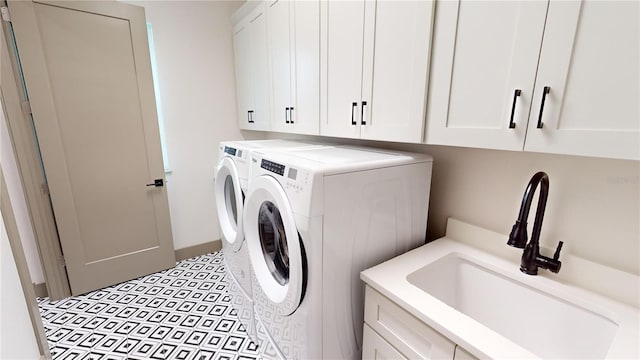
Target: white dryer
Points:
(314, 219)
(231, 185)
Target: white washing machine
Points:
(313, 220)
(232, 176)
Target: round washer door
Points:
(273, 243)
(229, 203)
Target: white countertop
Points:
(390, 279)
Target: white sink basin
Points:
(542, 323)
(481, 301)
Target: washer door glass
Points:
(229, 204)
(230, 200)
(273, 240)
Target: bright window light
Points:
(156, 89)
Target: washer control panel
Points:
(292, 179)
(296, 179)
(231, 151)
(272, 166)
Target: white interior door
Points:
(87, 71)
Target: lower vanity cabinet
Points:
(375, 347)
(392, 333)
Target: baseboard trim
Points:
(181, 254)
(40, 290)
(197, 250)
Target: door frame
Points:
(26, 151)
(17, 250)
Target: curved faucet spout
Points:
(531, 258)
(518, 236)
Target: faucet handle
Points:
(556, 255)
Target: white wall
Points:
(194, 55)
(593, 204)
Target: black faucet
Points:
(531, 257)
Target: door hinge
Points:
(5, 14)
(61, 261)
(26, 107)
(45, 189)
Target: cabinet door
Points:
(483, 52)
(244, 82)
(396, 70)
(294, 46)
(305, 116)
(376, 348)
(280, 56)
(409, 335)
(343, 64)
(590, 63)
(259, 63)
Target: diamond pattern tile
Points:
(180, 313)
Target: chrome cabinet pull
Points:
(250, 116)
(291, 115)
(513, 108)
(353, 111)
(362, 114)
(545, 91)
(286, 115)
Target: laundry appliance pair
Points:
(313, 219)
(231, 184)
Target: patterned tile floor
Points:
(180, 313)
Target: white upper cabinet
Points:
(294, 52)
(488, 56)
(342, 67)
(590, 64)
(252, 70)
(483, 66)
(375, 59)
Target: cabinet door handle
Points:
(291, 115)
(363, 116)
(513, 108)
(545, 91)
(353, 113)
(286, 115)
(250, 116)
